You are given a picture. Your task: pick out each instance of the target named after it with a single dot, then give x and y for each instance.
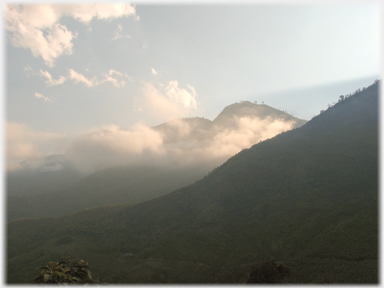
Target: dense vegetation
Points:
(107, 187)
(307, 198)
(66, 270)
(269, 272)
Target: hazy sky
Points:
(76, 68)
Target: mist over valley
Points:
(113, 166)
(298, 197)
(152, 144)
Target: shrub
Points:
(269, 272)
(66, 270)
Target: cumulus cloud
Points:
(118, 34)
(165, 102)
(80, 78)
(111, 145)
(116, 78)
(249, 131)
(208, 144)
(86, 12)
(174, 92)
(41, 96)
(158, 105)
(215, 145)
(154, 72)
(50, 81)
(24, 143)
(37, 27)
(179, 95)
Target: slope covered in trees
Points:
(111, 186)
(307, 198)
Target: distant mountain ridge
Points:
(202, 129)
(50, 173)
(186, 129)
(53, 187)
(306, 197)
(253, 110)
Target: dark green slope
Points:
(52, 174)
(307, 198)
(111, 186)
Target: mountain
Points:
(307, 198)
(111, 186)
(186, 129)
(37, 176)
(54, 187)
(201, 129)
(248, 109)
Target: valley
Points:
(307, 198)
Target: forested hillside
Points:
(307, 198)
(107, 187)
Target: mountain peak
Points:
(201, 129)
(254, 110)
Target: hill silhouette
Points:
(33, 193)
(201, 129)
(51, 173)
(307, 198)
(249, 109)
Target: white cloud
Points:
(111, 145)
(182, 97)
(163, 103)
(29, 71)
(118, 34)
(179, 95)
(158, 105)
(41, 96)
(37, 27)
(118, 79)
(24, 143)
(50, 81)
(86, 12)
(80, 78)
(249, 131)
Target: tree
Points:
(67, 270)
(269, 272)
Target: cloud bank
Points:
(37, 27)
(109, 146)
(24, 143)
(191, 143)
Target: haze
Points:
(90, 80)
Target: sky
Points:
(77, 72)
